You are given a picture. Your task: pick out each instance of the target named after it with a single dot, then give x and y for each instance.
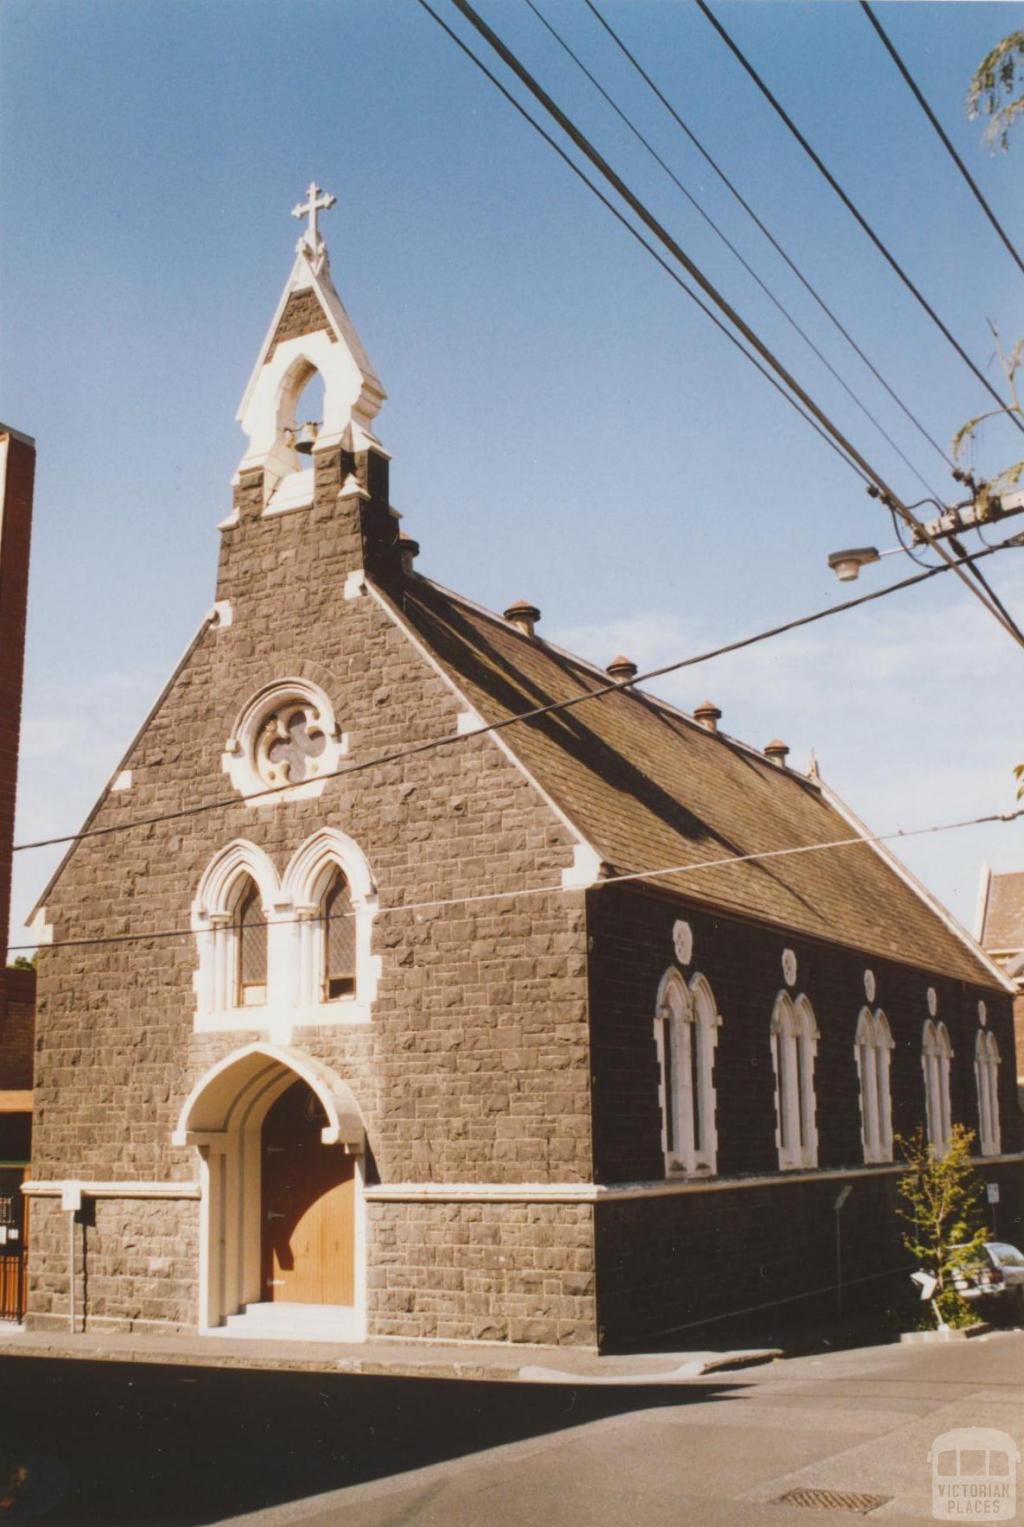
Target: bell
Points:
(305, 438)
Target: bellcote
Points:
(309, 333)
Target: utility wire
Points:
(536, 713)
(561, 890)
(702, 212)
(584, 145)
(851, 207)
(748, 209)
(933, 119)
(655, 255)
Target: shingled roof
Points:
(648, 787)
(1002, 917)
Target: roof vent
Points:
(622, 668)
(708, 715)
(523, 615)
(409, 548)
(777, 751)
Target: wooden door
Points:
(308, 1201)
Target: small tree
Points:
(942, 1206)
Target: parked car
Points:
(995, 1283)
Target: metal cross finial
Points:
(318, 201)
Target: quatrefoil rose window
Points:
(287, 741)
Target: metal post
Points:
(71, 1270)
(837, 1209)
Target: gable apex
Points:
(309, 332)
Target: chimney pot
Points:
(708, 715)
(622, 668)
(523, 615)
(409, 548)
(777, 751)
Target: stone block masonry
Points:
(135, 1265)
(483, 1272)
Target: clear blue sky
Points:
(565, 426)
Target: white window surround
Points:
(936, 1054)
(291, 906)
(986, 1073)
(794, 1042)
(686, 1033)
(239, 758)
(873, 1046)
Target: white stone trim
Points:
(239, 757)
(685, 1034)
(302, 889)
(936, 1055)
(794, 1046)
(222, 615)
(54, 1188)
(122, 781)
(595, 1193)
(40, 929)
(468, 721)
(223, 1117)
(984, 891)
(586, 869)
(872, 1049)
(497, 738)
(294, 933)
(355, 584)
(986, 1077)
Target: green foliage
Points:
(21, 962)
(989, 493)
(942, 1208)
(992, 86)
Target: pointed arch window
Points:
(250, 930)
(986, 1072)
(873, 1051)
(338, 939)
(794, 1042)
(686, 1033)
(936, 1054)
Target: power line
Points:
(584, 145)
(534, 714)
(748, 209)
(933, 119)
(850, 206)
(702, 212)
(635, 233)
(437, 903)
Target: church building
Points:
(369, 1008)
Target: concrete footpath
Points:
(394, 1358)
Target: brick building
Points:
(421, 1062)
(1001, 935)
(17, 987)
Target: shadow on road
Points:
(122, 1443)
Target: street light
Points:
(847, 564)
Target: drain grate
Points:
(832, 1500)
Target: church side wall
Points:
(474, 1067)
(770, 1242)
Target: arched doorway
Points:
(308, 1204)
(282, 1243)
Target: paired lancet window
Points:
(986, 1072)
(936, 1054)
(873, 1050)
(794, 1042)
(298, 946)
(686, 1032)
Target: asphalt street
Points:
(123, 1443)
